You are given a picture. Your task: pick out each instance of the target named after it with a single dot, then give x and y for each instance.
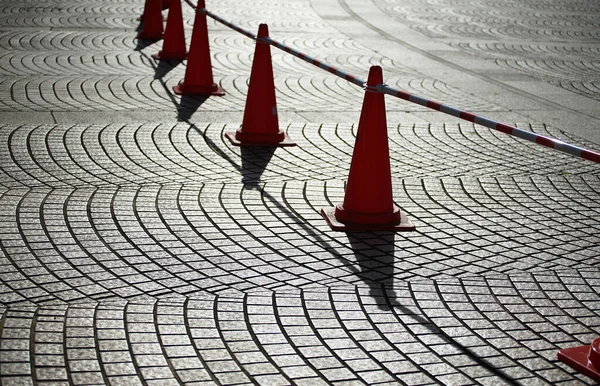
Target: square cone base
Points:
(577, 358)
(170, 57)
(214, 90)
(329, 215)
(287, 142)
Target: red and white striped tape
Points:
(383, 88)
(502, 127)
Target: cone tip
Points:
(263, 30)
(375, 76)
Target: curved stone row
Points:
(553, 42)
(455, 332)
(119, 155)
(496, 20)
(68, 245)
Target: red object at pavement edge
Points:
(152, 27)
(368, 202)
(260, 126)
(166, 4)
(585, 359)
(198, 78)
(174, 38)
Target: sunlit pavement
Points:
(138, 246)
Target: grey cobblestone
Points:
(155, 253)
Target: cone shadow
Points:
(188, 105)
(374, 253)
(142, 43)
(254, 162)
(164, 67)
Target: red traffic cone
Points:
(260, 126)
(368, 202)
(152, 28)
(166, 4)
(174, 38)
(585, 359)
(198, 78)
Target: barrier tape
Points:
(550, 142)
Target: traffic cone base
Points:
(368, 201)
(170, 56)
(260, 126)
(585, 359)
(403, 223)
(201, 90)
(240, 138)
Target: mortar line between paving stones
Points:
(162, 345)
(348, 333)
(228, 347)
(536, 310)
(211, 221)
(472, 355)
(99, 358)
(518, 186)
(32, 334)
(297, 219)
(423, 320)
(130, 343)
(127, 238)
(106, 244)
(255, 339)
(132, 160)
(13, 158)
(120, 148)
(398, 320)
(521, 323)
(22, 234)
(286, 335)
(316, 333)
(188, 329)
(94, 159)
(376, 328)
(50, 154)
(164, 224)
(65, 346)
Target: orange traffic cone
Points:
(174, 39)
(198, 78)
(368, 202)
(152, 28)
(260, 126)
(585, 359)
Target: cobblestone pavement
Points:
(137, 246)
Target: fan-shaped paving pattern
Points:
(308, 337)
(160, 254)
(75, 156)
(551, 41)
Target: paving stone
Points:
(137, 246)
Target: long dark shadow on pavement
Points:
(254, 162)
(164, 67)
(188, 105)
(376, 263)
(375, 254)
